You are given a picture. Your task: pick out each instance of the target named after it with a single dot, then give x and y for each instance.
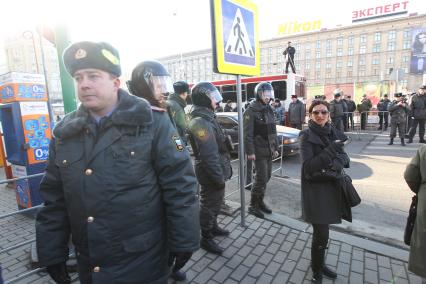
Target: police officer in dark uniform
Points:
(337, 110)
(418, 111)
(212, 161)
(116, 181)
(261, 144)
(398, 110)
(382, 107)
(289, 53)
(176, 104)
(151, 81)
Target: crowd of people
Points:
(121, 187)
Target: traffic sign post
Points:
(236, 51)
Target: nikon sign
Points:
(296, 27)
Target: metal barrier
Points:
(21, 244)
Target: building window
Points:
(351, 40)
(362, 60)
(391, 35)
(328, 65)
(390, 60)
(376, 47)
(362, 49)
(328, 43)
(406, 58)
(308, 47)
(308, 55)
(363, 38)
(328, 75)
(318, 65)
(340, 51)
(350, 51)
(377, 36)
(407, 33)
(318, 54)
(361, 73)
(349, 74)
(375, 71)
(339, 64)
(340, 41)
(338, 74)
(391, 45)
(328, 52)
(297, 46)
(318, 75)
(350, 63)
(307, 65)
(406, 44)
(376, 61)
(318, 45)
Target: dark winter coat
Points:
(176, 108)
(127, 197)
(212, 158)
(351, 105)
(398, 113)
(322, 200)
(415, 176)
(418, 106)
(296, 112)
(337, 108)
(260, 133)
(383, 105)
(365, 105)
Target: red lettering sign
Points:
(380, 11)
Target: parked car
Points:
(288, 135)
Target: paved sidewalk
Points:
(266, 251)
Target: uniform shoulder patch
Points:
(201, 133)
(178, 143)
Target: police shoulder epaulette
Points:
(159, 109)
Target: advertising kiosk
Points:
(27, 131)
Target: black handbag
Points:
(411, 219)
(324, 175)
(350, 194)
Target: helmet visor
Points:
(269, 94)
(160, 85)
(215, 95)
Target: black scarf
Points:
(325, 133)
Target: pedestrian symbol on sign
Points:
(238, 42)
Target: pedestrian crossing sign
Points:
(235, 37)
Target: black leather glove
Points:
(335, 147)
(59, 273)
(179, 259)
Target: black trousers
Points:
(210, 201)
(263, 168)
(421, 123)
(350, 119)
(383, 117)
(290, 62)
(364, 120)
(320, 235)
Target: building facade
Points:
(355, 54)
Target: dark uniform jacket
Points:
(322, 200)
(383, 105)
(176, 107)
(365, 105)
(398, 113)
(351, 105)
(290, 51)
(296, 112)
(337, 108)
(260, 133)
(418, 106)
(127, 195)
(212, 159)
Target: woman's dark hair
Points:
(417, 45)
(318, 102)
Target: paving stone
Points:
(280, 256)
(294, 254)
(355, 278)
(239, 272)
(370, 255)
(284, 230)
(234, 261)
(303, 236)
(249, 280)
(201, 264)
(222, 274)
(385, 274)
(205, 276)
(331, 260)
(218, 263)
(357, 266)
(253, 241)
(265, 258)
(279, 238)
(240, 242)
(303, 264)
(260, 232)
(299, 245)
(258, 250)
(247, 233)
(292, 236)
(286, 246)
(333, 249)
(345, 257)
(230, 281)
(272, 268)
(371, 276)
(272, 231)
(273, 248)
(280, 278)
(288, 266)
(306, 253)
(398, 271)
(383, 261)
(229, 252)
(297, 276)
(266, 240)
(257, 270)
(250, 260)
(343, 269)
(371, 263)
(357, 255)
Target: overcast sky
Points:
(151, 29)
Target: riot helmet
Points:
(205, 94)
(151, 81)
(264, 92)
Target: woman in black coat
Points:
(321, 146)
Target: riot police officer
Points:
(398, 110)
(261, 144)
(212, 161)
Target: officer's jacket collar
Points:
(257, 106)
(178, 99)
(204, 112)
(130, 111)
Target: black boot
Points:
(410, 140)
(254, 207)
(209, 244)
(317, 263)
(402, 142)
(178, 275)
(218, 231)
(390, 142)
(263, 206)
(422, 140)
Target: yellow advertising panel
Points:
(235, 37)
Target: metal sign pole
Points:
(241, 151)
